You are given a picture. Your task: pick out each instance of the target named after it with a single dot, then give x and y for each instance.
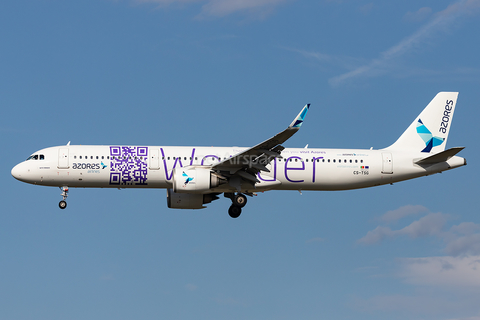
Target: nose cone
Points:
(17, 172)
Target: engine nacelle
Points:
(195, 180)
(188, 200)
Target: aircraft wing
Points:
(248, 163)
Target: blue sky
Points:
(211, 72)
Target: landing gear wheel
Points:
(234, 211)
(62, 204)
(240, 200)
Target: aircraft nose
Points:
(17, 172)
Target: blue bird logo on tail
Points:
(186, 176)
(427, 137)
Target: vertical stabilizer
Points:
(429, 131)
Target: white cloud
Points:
(367, 8)
(419, 15)
(191, 287)
(445, 287)
(439, 23)
(221, 8)
(460, 240)
(315, 240)
(442, 271)
(469, 244)
(424, 303)
(429, 225)
(402, 212)
(467, 318)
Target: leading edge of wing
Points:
(271, 147)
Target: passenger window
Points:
(80, 157)
(361, 161)
(102, 157)
(42, 157)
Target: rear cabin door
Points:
(63, 158)
(387, 163)
(154, 163)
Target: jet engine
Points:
(195, 180)
(189, 200)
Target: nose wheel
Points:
(63, 204)
(239, 201)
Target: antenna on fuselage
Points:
(68, 143)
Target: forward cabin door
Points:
(63, 158)
(387, 163)
(154, 163)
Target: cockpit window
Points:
(36, 157)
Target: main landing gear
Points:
(63, 204)
(239, 201)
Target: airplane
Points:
(195, 176)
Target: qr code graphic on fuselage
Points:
(128, 165)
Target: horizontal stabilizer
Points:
(440, 157)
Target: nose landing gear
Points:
(63, 204)
(239, 201)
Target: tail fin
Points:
(429, 132)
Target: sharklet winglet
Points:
(297, 122)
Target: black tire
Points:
(240, 200)
(62, 204)
(234, 211)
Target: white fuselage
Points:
(151, 167)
